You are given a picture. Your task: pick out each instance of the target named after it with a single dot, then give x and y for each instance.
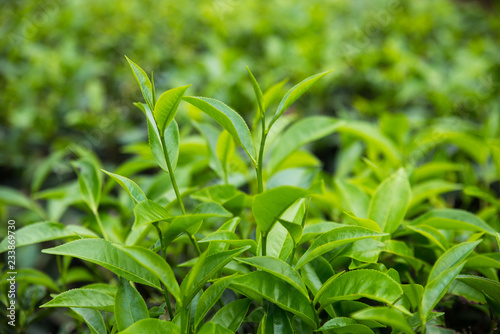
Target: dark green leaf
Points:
(129, 305)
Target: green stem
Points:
(167, 299)
(177, 193)
(163, 249)
(103, 231)
(172, 177)
(260, 158)
(293, 254)
(264, 243)
(62, 272)
(164, 255)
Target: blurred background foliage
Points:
(64, 77)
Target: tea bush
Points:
(217, 225)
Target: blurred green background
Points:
(64, 77)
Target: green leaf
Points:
(204, 268)
(45, 231)
(129, 305)
(104, 253)
(130, 186)
(414, 294)
(483, 284)
(92, 318)
(452, 257)
(294, 229)
(337, 323)
(270, 205)
(278, 268)
(144, 83)
(192, 222)
(428, 189)
(277, 291)
(345, 325)
(210, 297)
(13, 197)
(231, 315)
(272, 94)
(453, 219)
(334, 238)
(386, 316)
(258, 93)
(228, 237)
(436, 289)
(172, 142)
(353, 198)
(294, 93)
(83, 298)
(390, 202)
(300, 133)
(228, 119)
(157, 266)
(403, 251)
(431, 233)
(152, 326)
(166, 106)
(358, 284)
(213, 328)
(147, 212)
(225, 150)
(363, 222)
(372, 136)
(463, 290)
(33, 277)
(277, 321)
(89, 181)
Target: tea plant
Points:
(242, 231)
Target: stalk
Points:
(177, 193)
(164, 254)
(98, 218)
(260, 158)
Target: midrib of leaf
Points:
(113, 266)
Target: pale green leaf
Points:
(228, 119)
(390, 202)
(453, 219)
(258, 93)
(271, 204)
(144, 83)
(452, 257)
(294, 93)
(89, 181)
(130, 186)
(166, 106)
(300, 133)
